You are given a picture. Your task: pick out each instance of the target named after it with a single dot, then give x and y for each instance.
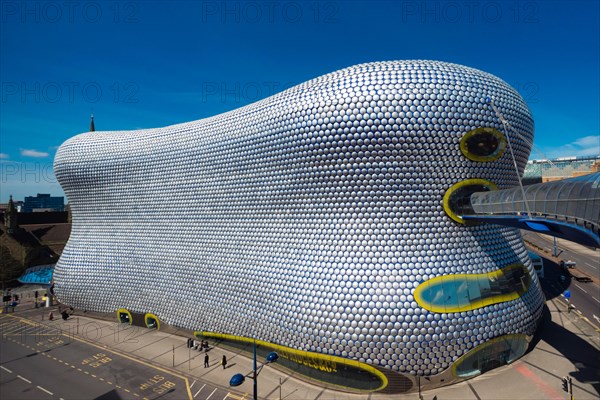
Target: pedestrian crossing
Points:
(201, 391)
(43, 336)
(18, 327)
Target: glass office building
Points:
(44, 202)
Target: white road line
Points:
(213, 392)
(590, 265)
(44, 390)
(192, 385)
(200, 390)
(26, 380)
(10, 372)
(581, 288)
(12, 329)
(596, 299)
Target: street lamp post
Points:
(254, 374)
(238, 379)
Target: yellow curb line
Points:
(581, 317)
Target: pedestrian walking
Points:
(206, 360)
(224, 361)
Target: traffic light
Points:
(565, 383)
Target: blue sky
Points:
(142, 64)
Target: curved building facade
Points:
(319, 220)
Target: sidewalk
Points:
(567, 346)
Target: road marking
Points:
(596, 299)
(213, 392)
(6, 369)
(104, 348)
(581, 288)
(590, 265)
(233, 396)
(192, 385)
(539, 382)
(65, 363)
(26, 322)
(44, 390)
(13, 329)
(200, 390)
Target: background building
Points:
(43, 202)
(538, 171)
(29, 239)
(18, 205)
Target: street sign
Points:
(567, 294)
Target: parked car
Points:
(568, 264)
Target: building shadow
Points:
(577, 350)
(111, 395)
(555, 280)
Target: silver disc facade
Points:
(308, 219)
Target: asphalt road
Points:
(585, 296)
(39, 363)
(588, 260)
